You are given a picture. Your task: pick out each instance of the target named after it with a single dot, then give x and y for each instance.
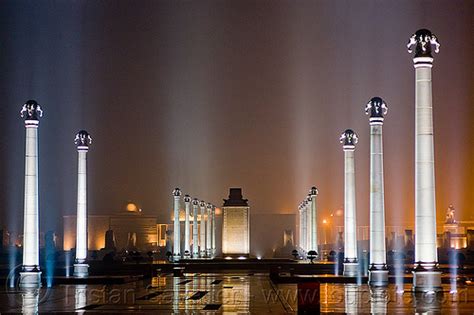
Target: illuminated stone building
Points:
(149, 234)
(236, 225)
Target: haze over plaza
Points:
(210, 96)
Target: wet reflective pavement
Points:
(227, 293)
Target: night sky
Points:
(207, 95)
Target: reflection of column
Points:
(80, 296)
(378, 272)
(208, 230)
(351, 299)
(29, 301)
(213, 236)
(202, 228)
(195, 228)
(378, 300)
(349, 140)
(176, 231)
(82, 141)
(313, 192)
(30, 277)
(187, 247)
(426, 276)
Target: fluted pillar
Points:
(202, 230)
(349, 140)
(304, 227)
(300, 229)
(176, 225)
(378, 272)
(213, 235)
(426, 276)
(30, 276)
(82, 141)
(307, 205)
(313, 192)
(208, 229)
(195, 228)
(187, 226)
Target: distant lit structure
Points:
(82, 141)
(426, 276)
(213, 231)
(378, 271)
(30, 276)
(236, 225)
(349, 140)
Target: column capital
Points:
(209, 205)
(423, 40)
(187, 199)
(313, 191)
(195, 202)
(376, 108)
(202, 204)
(348, 139)
(82, 140)
(177, 193)
(31, 112)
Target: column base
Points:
(378, 276)
(30, 279)
(195, 255)
(208, 253)
(426, 281)
(176, 257)
(351, 269)
(81, 270)
(202, 254)
(187, 255)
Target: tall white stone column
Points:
(187, 226)
(208, 229)
(213, 235)
(82, 141)
(313, 192)
(307, 205)
(426, 276)
(202, 230)
(30, 276)
(378, 272)
(349, 140)
(195, 228)
(176, 226)
(300, 229)
(304, 229)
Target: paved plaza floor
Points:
(230, 293)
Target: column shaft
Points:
(202, 241)
(425, 205)
(176, 229)
(208, 232)
(314, 224)
(195, 232)
(377, 207)
(350, 232)
(187, 227)
(81, 229)
(31, 207)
